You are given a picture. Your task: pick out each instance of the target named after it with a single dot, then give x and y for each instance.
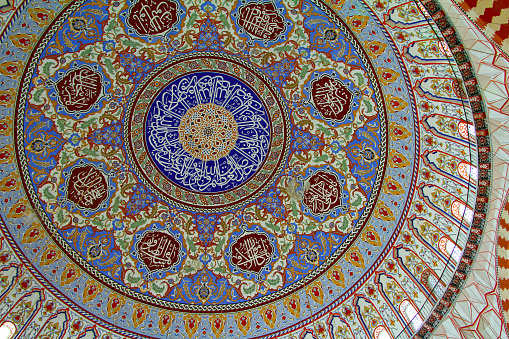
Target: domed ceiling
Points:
(238, 169)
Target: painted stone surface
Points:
(243, 169)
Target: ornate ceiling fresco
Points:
(247, 169)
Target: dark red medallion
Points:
(252, 252)
(79, 89)
(261, 20)
(87, 187)
(331, 98)
(158, 250)
(324, 193)
(152, 17)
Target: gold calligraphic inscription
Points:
(331, 98)
(324, 193)
(152, 17)
(252, 252)
(158, 250)
(79, 89)
(261, 20)
(87, 187)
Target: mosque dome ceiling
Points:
(246, 169)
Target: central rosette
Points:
(208, 132)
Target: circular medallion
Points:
(208, 132)
(212, 133)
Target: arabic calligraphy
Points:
(208, 132)
(158, 250)
(252, 252)
(152, 17)
(79, 89)
(261, 21)
(324, 193)
(87, 187)
(331, 98)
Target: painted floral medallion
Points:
(257, 167)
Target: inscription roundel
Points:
(79, 89)
(261, 20)
(331, 98)
(153, 17)
(208, 140)
(324, 193)
(87, 187)
(252, 252)
(158, 250)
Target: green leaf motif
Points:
(311, 227)
(360, 79)
(90, 152)
(357, 201)
(192, 19)
(47, 194)
(286, 247)
(221, 269)
(249, 290)
(294, 208)
(157, 289)
(123, 244)
(190, 243)
(88, 123)
(345, 223)
(301, 34)
(274, 282)
(37, 94)
(284, 48)
(97, 222)
(324, 129)
(109, 66)
(304, 71)
(219, 245)
(224, 20)
(274, 227)
(116, 205)
(136, 224)
(322, 158)
(344, 166)
(60, 216)
(348, 132)
(132, 280)
(46, 68)
(131, 43)
(64, 157)
(112, 25)
(62, 124)
(368, 104)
